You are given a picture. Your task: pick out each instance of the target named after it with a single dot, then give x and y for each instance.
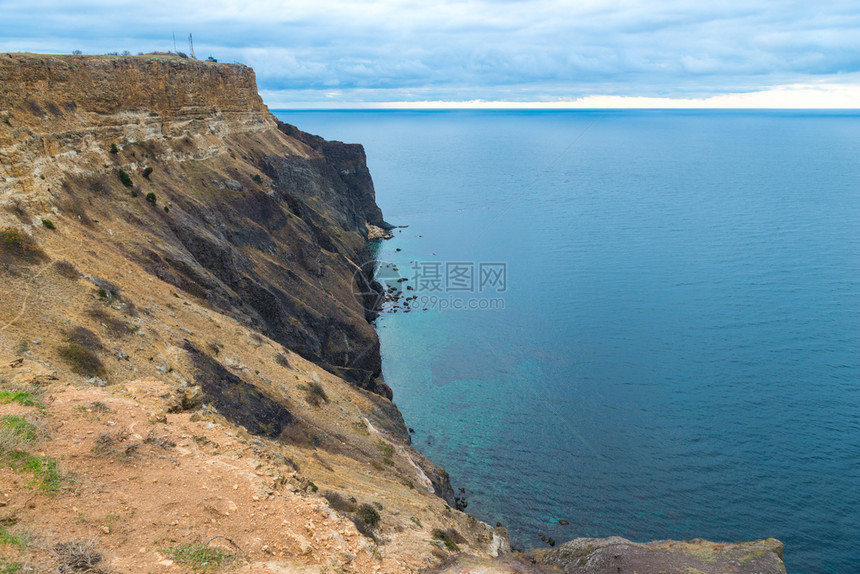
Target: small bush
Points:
(147, 172)
(116, 327)
(166, 209)
(48, 224)
(159, 440)
(282, 360)
(338, 502)
(363, 528)
(84, 337)
(113, 148)
(135, 192)
(80, 352)
(368, 515)
(315, 394)
(150, 197)
(125, 178)
(75, 207)
(107, 443)
(79, 555)
(15, 245)
(257, 178)
(386, 449)
(449, 538)
(99, 407)
(82, 361)
(66, 269)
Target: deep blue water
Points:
(679, 350)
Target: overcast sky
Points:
(314, 52)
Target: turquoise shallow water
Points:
(679, 350)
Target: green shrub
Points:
(166, 209)
(48, 224)
(368, 515)
(257, 178)
(150, 197)
(125, 178)
(113, 148)
(147, 172)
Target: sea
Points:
(643, 323)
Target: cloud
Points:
(391, 50)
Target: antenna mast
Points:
(191, 45)
(174, 42)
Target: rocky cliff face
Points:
(179, 293)
(263, 226)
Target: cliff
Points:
(263, 250)
(183, 335)
(188, 377)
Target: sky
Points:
(484, 53)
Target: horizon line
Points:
(788, 97)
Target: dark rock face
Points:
(346, 166)
(240, 402)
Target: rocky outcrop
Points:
(616, 555)
(350, 163)
(265, 222)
